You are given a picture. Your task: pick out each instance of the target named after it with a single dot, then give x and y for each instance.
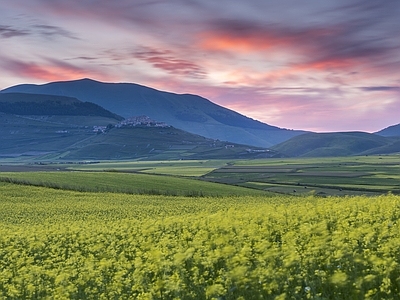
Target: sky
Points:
(312, 65)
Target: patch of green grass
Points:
(192, 168)
(335, 176)
(125, 183)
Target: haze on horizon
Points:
(314, 65)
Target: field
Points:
(169, 230)
(129, 183)
(364, 175)
(58, 244)
(337, 176)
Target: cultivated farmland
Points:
(58, 244)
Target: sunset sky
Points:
(312, 65)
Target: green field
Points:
(366, 175)
(363, 175)
(57, 244)
(130, 183)
(191, 168)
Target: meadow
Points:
(129, 183)
(334, 176)
(331, 176)
(59, 244)
(205, 229)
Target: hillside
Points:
(390, 131)
(36, 104)
(30, 136)
(156, 143)
(337, 144)
(47, 127)
(87, 137)
(184, 111)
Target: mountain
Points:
(337, 144)
(34, 125)
(37, 104)
(48, 127)
(157, 143)
(184, 111)
(390, 131)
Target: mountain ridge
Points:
(393, 130)
(59, 128)
(38, 104)
(189, 112)
(338, 144)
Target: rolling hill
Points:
(184, 111)
(390, 131)
(337, 144)
(155, 143)
(36, 125)
(37, 104)
(48, 127)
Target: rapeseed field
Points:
(57, 244)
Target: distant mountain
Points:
(68, 138)
(337, 144)
(390, 131)
(158, 143)
(187, 112)
(37, 104)
(52, 127)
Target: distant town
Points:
(133, 122)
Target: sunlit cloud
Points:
(165, 60)
(325, 66)
(50, 70)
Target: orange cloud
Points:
(214, 41)
(217, 42)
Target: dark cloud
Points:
(47, 31)
(86, 58)
(52, 31)
(165, 60)
(380, 88)
(9, 32)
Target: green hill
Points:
(390, 131)
(337, 144)
(36, 104)
(157, 144)
(184, 111)
(47, 127)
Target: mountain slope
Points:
(337, 144)
(157, 144)
(37, 104)
(34, 124)
(390, 131)
(188, 112)
(61, 138)
(52, 127)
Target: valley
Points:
(323, 177)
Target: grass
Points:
(329, 176)
(166, 167)
(125, 183)
(366, 175)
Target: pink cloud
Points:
(51, 70)
(165, 60)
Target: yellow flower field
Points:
(57, 244)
